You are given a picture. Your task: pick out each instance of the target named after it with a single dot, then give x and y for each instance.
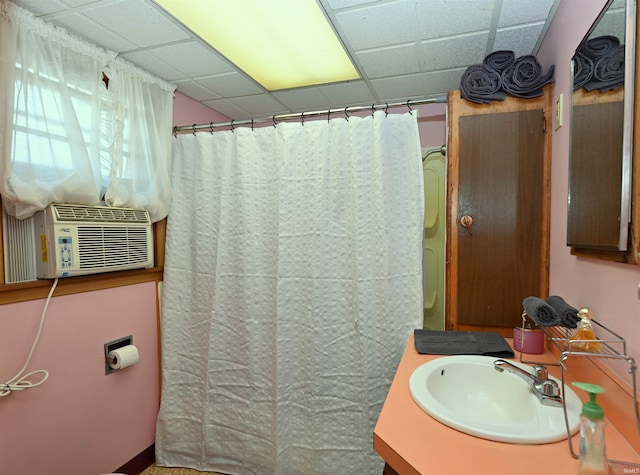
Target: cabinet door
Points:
(498, 222)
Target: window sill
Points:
(21, 292)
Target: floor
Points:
(153, 470)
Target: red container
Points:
(528, 340)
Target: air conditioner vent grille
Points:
(103, 247)
(100, 214)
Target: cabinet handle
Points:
(466, 221)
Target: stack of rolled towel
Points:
(555, 311)
(599, 64)
(501, 74)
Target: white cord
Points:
(21, 382)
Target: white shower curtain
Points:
(293, 279)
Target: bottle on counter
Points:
(593, 456)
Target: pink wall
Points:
(610, 289)
(187, 111)
(80, 421)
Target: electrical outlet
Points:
(559, 112)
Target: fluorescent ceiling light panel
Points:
(280, 43)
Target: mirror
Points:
(599, 201)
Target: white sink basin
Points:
(468, 394)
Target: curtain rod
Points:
(302, 115)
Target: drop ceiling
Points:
(403, 49)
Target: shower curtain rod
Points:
(302, 115)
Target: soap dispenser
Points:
(593, 456)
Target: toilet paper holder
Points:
(114, 345)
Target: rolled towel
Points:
(600, 46)
(481, 85)
(582, 70)
(568, 315)
(524, 77)
(608, 72)
(540, 312)
(499, 60)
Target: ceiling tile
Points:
(379, 25)
(454, 52)
(194, 90)
(437, 82)
(80, 3)
(399, 88)
(138, 22)
(437, 19)
(391, 61)
(228, 108)
(338, 4)
(257, 106)
(230, 85)
(152, 64)
(301, 99)
(519, 12)
(192, 59)
(346, 94)
(93, 32)
(40, 8)
(519, 40)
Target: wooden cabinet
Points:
(498, 194)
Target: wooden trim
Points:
(11, 293)
(140, 462)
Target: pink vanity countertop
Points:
(412, 442)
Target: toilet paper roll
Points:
(123, 357)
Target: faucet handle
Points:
(540, 373)
(550, 388)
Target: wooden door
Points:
(498, 222)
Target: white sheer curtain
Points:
(140, 151)
(65, 137)
(293, 278)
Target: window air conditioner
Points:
(73, 240)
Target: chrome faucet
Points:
(547, 390)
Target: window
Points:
(84, 124)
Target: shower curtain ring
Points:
(373, 110)
(211, 128)
(302, 117)
(232, 126)
(328, 115)
(346, 115)
(252, 125)
(193, 129)
(274, 120)
(409, 107)
(386, 110)
(175, 131)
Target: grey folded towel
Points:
(599, 64)
(499, 60)
(524, 77)
(582, 70)
(434, 342)
(568, 315)
(608, 72)
(600, 46)
(481, 85)
(543, 314)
